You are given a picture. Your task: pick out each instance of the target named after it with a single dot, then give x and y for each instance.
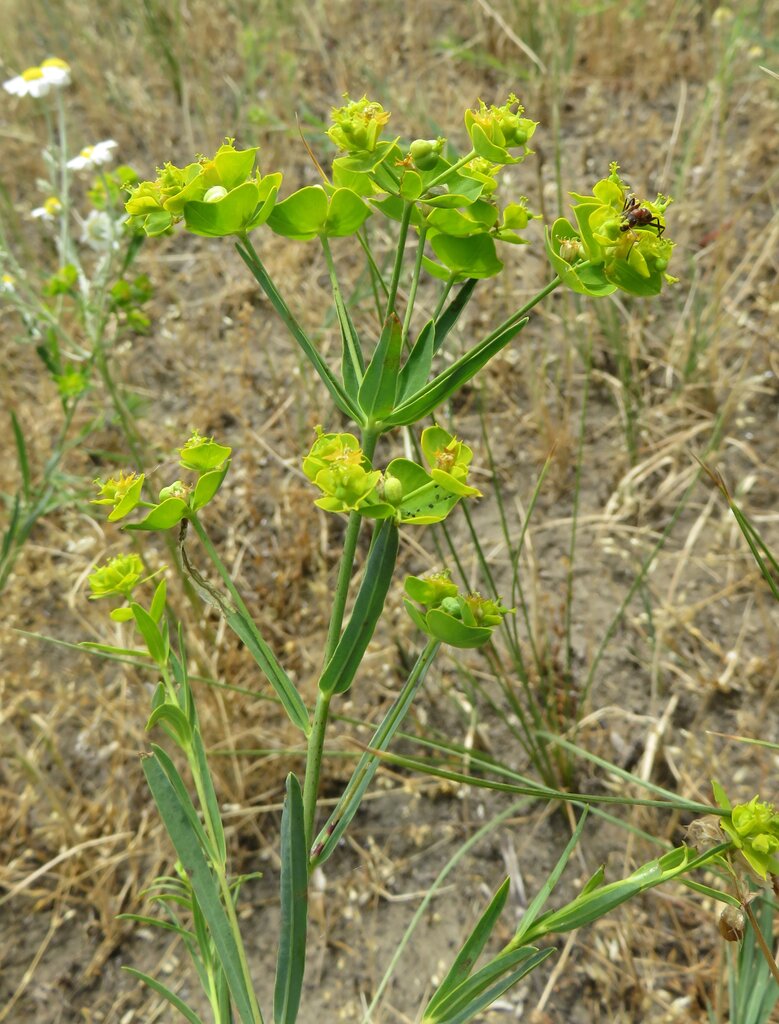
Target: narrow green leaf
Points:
(473, 987)
(157, 606)
(543, 894)
(212, 805)
(363, 773)
(175, 719)
(471, 950)
(291, 961)
(337, 392)
(10, 532)
(184, 798)
(451, 314)
(380, 383)
(150, 633)
(342, 667)
(123, 652)
(166, 993)
(285, 689)
(155, 922)
(21, 454)
(416, 369)
(188, 848)
(469, 1012)
(445, 384)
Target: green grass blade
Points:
(342, 667)
(188, 849)
(21, 454)
(165, 992)
(291, 961)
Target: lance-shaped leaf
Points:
(450, 380)
(363, 773)
(291, 960)
(479, 996)
(471, 951)
(285, 689)
(451, 314)
(380, 383)
(342, 667)
(344, 402)
(416, 369)
(188, 849)
(162, 990)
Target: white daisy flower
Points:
(49, 211)
(56, 71)
(102, 232)
(91, 157)
(7, 283)
(32, 82)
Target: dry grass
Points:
(677, 96)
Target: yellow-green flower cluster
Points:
(338, 467)
(753, 829)
(357, 125)
(495, 130)
(216, 196)
(446, 615)
(117, 578)
(404, 491)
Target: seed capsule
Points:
(732, 923)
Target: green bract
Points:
(216, 197)
(448, 616)
(753, 829)
(203, 453)
(315, 212)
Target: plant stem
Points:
(451, 170)
(393, 288)
(412, 292)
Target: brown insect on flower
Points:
(634, 215)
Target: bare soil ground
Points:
(676, 94)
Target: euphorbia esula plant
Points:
(450, 215)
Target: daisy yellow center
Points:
(31, 74)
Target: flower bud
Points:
(425, 152)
